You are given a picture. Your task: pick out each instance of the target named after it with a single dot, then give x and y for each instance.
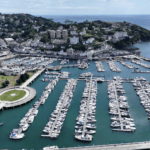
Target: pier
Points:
(121, 124)
(85, 119)
(67, 66)
(30, 80)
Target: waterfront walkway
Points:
(30, 80)
(125, 146)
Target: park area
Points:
(12, 95)
(14, 80)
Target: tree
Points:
(23, 78)
(18, 81)
(26, 76)
(6, 82)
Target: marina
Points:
(118, 106)
(33, 111)
(86, 116)
(53, 127)
(101, 118)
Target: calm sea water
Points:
(142, 20)
(104, 134)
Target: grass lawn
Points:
(8, 97)
(7, 77)
(87, 35)
(11, 79)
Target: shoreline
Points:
(122, 146)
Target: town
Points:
(27, 34)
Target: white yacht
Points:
(17, 134)
(25, 127)
(86, 137)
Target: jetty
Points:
(87, 108)
(30, 80)
(119, 107)
(121, 124)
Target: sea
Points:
(104, 134)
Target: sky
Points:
(76, 7)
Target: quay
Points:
(32, 78)
(124, 146)
(65, 66)
(8, 57)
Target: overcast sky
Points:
(75, 7)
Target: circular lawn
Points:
(12, 95)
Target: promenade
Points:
(29, 97)
(125, 146)
(30, 80)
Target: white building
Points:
(36, 28)
(119, 36)
(90, 40)
(74, 40)
(13, 71)
(2, 17)
(64, 33)
(83, 32)
(73, 33)
(70, 51)
(60, 27)
(58, 34)
(52, 34)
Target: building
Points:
(73, 33)
(2, 17)
(90, 40)
(14, 71)
(10, 41)
(58, 41)
(36, 28)
(64, 33)
(70, 51)
(58, 34)
(60, 27)
(2, 63)
(52, 34)
(2, 44)
(119, 36)
(17, 22)
(73, 28)
(62, 53)
(74, 40)
(83, 32)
